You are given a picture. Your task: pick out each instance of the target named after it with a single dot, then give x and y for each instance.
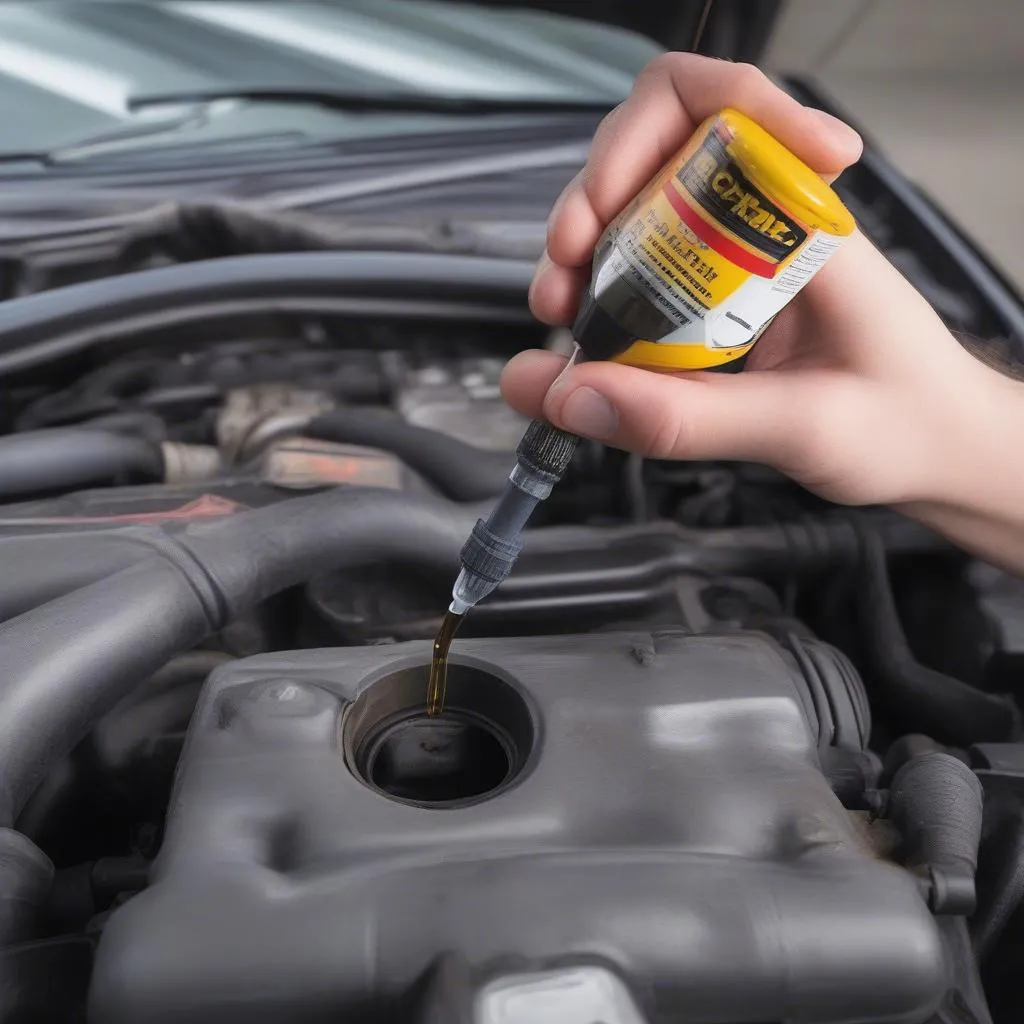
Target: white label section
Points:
(807, 262)
(738, 319)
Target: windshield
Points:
(73, 71)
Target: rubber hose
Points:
(118, 630)
(39, 567)
(38, 329)
(926, 700)
(458, 470)
(577, 560)
(251, 557)
(26, 875)
(964, 1001)
(563, 561)
(936, 802)
(905, 749)
(65, 458)
(1003, 869)
(125, 736)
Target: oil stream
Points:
(439, 662)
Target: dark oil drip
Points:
(439, 662)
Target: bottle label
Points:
(709, 254)
(715, 184)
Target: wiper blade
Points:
(196, 108)
(356, 101)
(194, 115)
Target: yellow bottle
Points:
(698, 264)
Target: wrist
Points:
(975, 494)
(978, 458)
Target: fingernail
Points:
(543, 265)
(835, 126)
(588, 413)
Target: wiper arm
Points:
(195, 115)
(203, 104)
(400, 102)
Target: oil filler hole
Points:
(474, 749)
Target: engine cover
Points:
(649, 808)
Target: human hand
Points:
(857, 390)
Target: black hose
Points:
(117, 629)
(925, 700)
(42, 566)
(567, 565)
(1002, 873)
(66, 458)
(936, 802)
(250, 557)
(459, 470)
(964, 1001)
(581, 560)
(38, 329)
(60, 681)
(97, 642)
(26, 875)
(131, 735)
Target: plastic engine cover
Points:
(646, 809)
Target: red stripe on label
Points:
(713, 237)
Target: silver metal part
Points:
(526, 481)
(252, 417)
(298, 463)
(276, 428)
(186, 463)
(464, 402)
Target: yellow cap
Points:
(785, 178)
(652, 355)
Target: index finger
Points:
(670, 98)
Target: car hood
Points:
(70, 70)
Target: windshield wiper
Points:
(195, 115)
(355, 101)
(197, 108)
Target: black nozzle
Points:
(597, 332)
(545, 451)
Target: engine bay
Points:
(716, 752)
(505, 828)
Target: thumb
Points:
(753, 416)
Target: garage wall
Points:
(949, 37)
(940, 85)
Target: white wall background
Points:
(940, 85)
